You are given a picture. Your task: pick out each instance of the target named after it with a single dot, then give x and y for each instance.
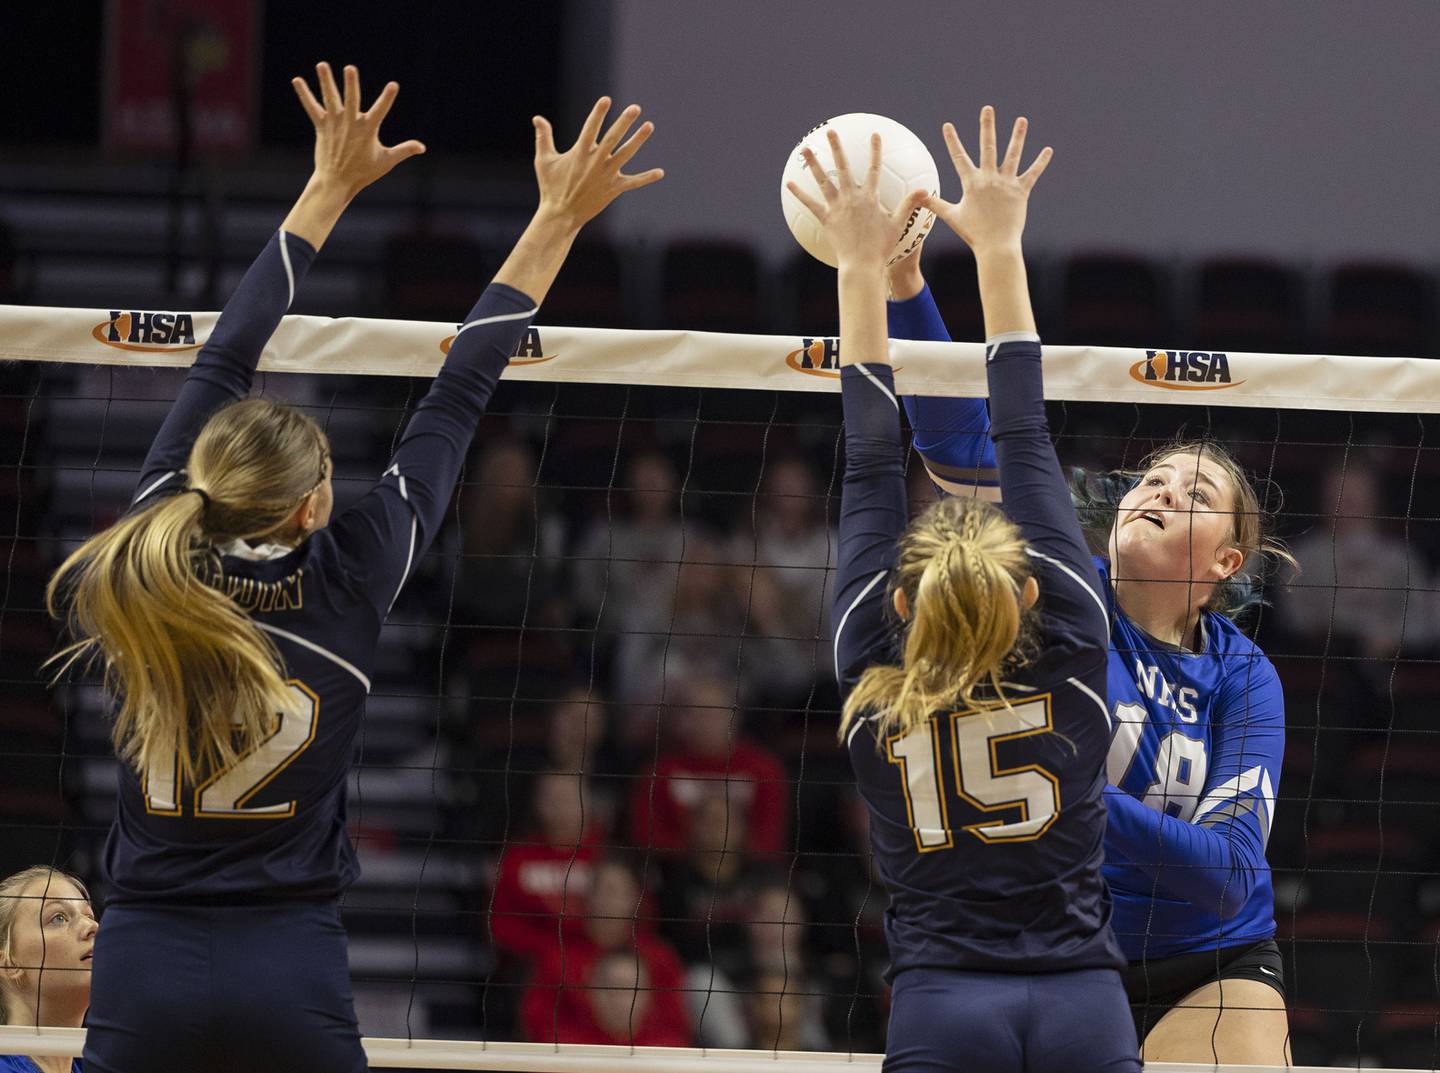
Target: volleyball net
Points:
(598, 795)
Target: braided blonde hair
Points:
(962, 567)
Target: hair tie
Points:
(204, 495)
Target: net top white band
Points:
(707, 359)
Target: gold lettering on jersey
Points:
(287, 594)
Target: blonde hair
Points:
(11, 888)
(962, 566)
(194, 675)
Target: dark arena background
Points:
(603, 722)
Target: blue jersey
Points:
(14, 1063)
(1195, 762)
(273, 825)
(1195, 759)
(986, 825)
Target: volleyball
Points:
(905, 165)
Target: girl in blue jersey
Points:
(47, 936)
(1198, 718)
(974, 716)
(237, 624)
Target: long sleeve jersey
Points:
(273, 825)
(986, 824)
(1195, 758)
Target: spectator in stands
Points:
(793, 552)
(710, 759)
(705, 892)
(512, 549)
(616, 982)
(783, 1012)
(544, 877)
(626, 567)
(47, 935)
(770, 957)
(1358, 583)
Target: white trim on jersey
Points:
(414, 534)
(313, 647)
(1104, 708)
(1245, 782)
(154, 485)
(498, 318)
(1079, 581)
(878, 383)
(289, 270)
(975, 489)
(846, 616)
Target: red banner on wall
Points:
(161, 52)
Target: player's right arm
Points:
(872, 501)
(952, 436)
(348, 158)
(991, 219)
(383, 535)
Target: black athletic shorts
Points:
(1157, 987)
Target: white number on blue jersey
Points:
(1181, 764)
(1180, 767)
(224, 794)
(979, 779)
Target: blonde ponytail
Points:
(194, 676)
(962, 567)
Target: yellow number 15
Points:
(979, 778)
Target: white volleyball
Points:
(905, 165)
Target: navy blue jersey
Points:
(1195, 760)
(986, 825)
(273, 825)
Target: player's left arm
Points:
(1215, 860)
(952, 436)
(348, 158)
(383, 535)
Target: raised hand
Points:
(577, 185)
(348, 151)
(860, 230)
(991, 212)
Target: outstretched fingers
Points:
(590, 131)
(377, 112)
(872, 176)
(822, 178)
(329, 92)
(632, 145)
(1036, 169)
(313, 108)
(842, 165)
(544, 137)
(912, 201)
(987, 137)
(645, 178)
(964, 166)
(623, 123)
(1011, 164)
(352, 91)
(817, 209)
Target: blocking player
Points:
(1198, 717)
(237, 624)
(974, 716)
